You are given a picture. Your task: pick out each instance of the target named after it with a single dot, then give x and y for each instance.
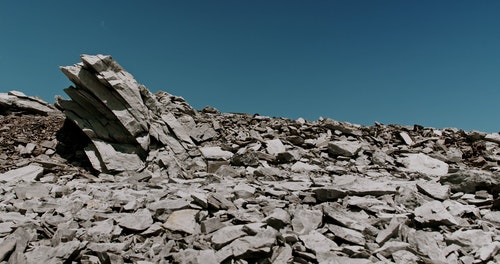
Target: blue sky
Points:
(433, 63)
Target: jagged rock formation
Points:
(15, 101)
(171, 184)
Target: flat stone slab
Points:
(434, 213)
(183, 221)
(138, 221)
(424, 164)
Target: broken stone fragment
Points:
(390, 247)
(424, 164)
(342, 217)
(215, 153)
(225, 235)
(470, 181)
(434, 190)
(406, 138)
(344, 148)
(434, 213)
(306, 220)
(277, 219)
(330, 193)
(27, 174)
(183, 221)
(275, 146)
(348, 235)
(317, 242)
(391, 230)
(138, 221)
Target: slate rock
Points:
(344, 148)
(138, 221)
(183, 221)
(215, 153)
(278, 218)
(306, 220)
(349, 235)
(317, 242)
(27, 173)
(470, 181)
(434, 190)
(424, 164)
(434, 213)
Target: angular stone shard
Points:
(434, 190)
(434, 213)
(317, 242)
(469, 181)
(28, 173)
(138, 221)
(344, 148)
(424, 164)
(183, 221)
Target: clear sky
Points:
(434, 63)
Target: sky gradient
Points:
(433, 63)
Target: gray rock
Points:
(215, 153)
(278, 218)
(329, 193)
(470, 181)
(406, 138)
(300, 166)
(434, 213)
(27, 173)
(405, 257)
(429, 244)
(227, 234)
(332, 258)
(183, 221)
(493, 217)
(346, 234)
(282, 255)
(275, 146)
(390, 247)
(203, 132)
(306, 220)
(15, 100)
(434, 190)
(193, 256)
(211, 224)
(470, 239)
(101, 231)
(317, 242)
(249, 246)
(390, 231)
(424, 164)
(177, 128)
(344, 148)
(344, 218)
(489, 251)
(6, 248)
(138, 221)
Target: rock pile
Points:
(170, 184)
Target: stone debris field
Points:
(117, 174)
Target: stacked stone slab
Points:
(120, 116)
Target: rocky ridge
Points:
(118, 174)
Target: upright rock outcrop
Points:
(121, 117)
